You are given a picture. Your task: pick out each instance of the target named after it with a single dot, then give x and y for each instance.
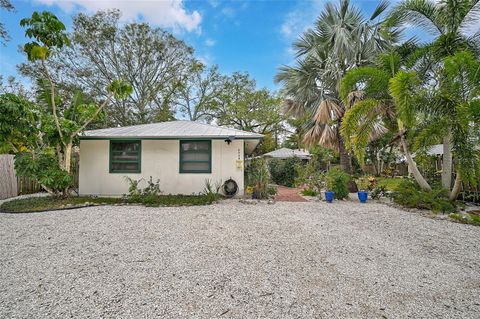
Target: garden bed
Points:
(48, 203)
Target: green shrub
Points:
(284, 171)
(309, 192)
(310, 176)
(409, 194)
(378, 192)
(272, 190)
(42, 166)
(336, 181)
(145, 195)
(257, 176)
(212, 191)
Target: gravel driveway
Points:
(234, 260)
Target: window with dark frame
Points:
(196, 156)
(125, 156)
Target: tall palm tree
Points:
(454, 26)
(342, 39)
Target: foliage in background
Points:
(341, 39)
(310, 176)
(284, 171)
(152, 60)
(257, 177)
(336, 180)
(409, 194)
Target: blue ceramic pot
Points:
(329, 196)
(362, 196)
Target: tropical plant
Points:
(342, 39)
(257, 177)
(452, 24)
(49, 37)
(336, 180)
(408, 194)
(380, 98)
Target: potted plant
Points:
(329, 195)
(365, 184)
(362, 196)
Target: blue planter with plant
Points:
(329, 196)
(362, 196)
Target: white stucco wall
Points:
(160, 159)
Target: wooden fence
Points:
(8, 180)
(12, 185)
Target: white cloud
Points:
(214, 3)
(165, 13)
(300, 18)
(210, 42)
(228, 11)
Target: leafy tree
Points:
(49, 37)
(17, 123)
(342, 39)
(196, 94)
(152, 60)
(6, 5)
(242, 106)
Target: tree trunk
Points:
(456, 187)
(447, 162)
(413, 167)
(68, 158)
(345, 163)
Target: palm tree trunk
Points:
(345, 162)
(447, 162)
(457, 186)
(413, 167)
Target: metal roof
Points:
(170, 130)
(287, 153)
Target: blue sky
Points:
(238, 35)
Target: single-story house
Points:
(284, 153)
(182, 154)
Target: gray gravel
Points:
(234, 260)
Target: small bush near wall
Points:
(410, 195)
(336, 181)
(284, 171)
(257, 178)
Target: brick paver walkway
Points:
(287, 194)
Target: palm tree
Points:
(452, 23)
(387, 97)
(378, 100)
(341, 39)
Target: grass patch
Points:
(309, 192)
(473, 220)
(390, 183)
(34, 204)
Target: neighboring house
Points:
(284, 153)
(182, 154)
